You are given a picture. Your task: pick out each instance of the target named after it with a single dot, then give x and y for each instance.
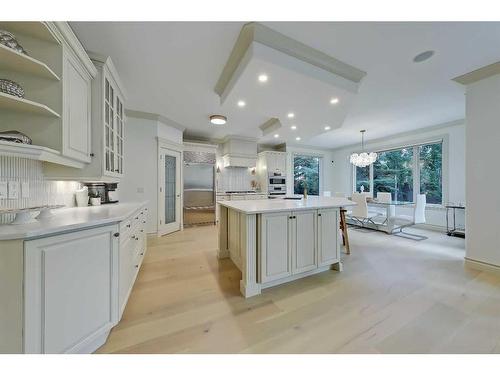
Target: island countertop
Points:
(261, 206)
(69, 219)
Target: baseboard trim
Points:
(481, 266)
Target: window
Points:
(431, 172)
(306, 170)
(393, 173)
(405, 172)
(363, 179)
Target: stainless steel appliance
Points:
(277, 184)
(106, 191)
(199, 191)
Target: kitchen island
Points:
(274, 241)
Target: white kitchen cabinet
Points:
(328, 237)
(132, 252)
(297, 254)
(107, 128)
(71, 284)
(275, 248)
(76, 123)
(303, 241)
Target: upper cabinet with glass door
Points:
(108, 117)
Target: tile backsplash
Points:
(41, 191)
(232, 179)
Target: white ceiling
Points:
(171, 68)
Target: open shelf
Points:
(37, 153)
(18, 62)
(13, 103)
(33, 29)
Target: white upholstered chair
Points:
(339, 195)
(383, 197)
(360, 213)
(403, 221)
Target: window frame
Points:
(443, 139)
(307, 154)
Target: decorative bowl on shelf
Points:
(15, 136)
(9, 40)
(12, 88)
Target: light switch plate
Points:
(13, 189)
(25, 189)
(3, 189)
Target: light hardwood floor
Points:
(394, 296)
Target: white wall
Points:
(140, 179)
(483, 179)
(453, 135)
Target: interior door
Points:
(169, 202)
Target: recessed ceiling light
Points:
(263, 78)
(291, 115)
(334, 100)
(327, 127)
(423, 56)
(276, 135)
(293, 127)
(218, 119)
(297, 139)
(241, 103)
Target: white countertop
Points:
(69, 219)
(260, 206)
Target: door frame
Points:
(165, 145)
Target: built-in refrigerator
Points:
(199, 188)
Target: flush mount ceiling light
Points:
(263, 78)
(334, 100)
(218, 119)
(293, 127)
(423, 56)
(297, 139)
(241, 103)
(276, 135)
(363, 159)
(327, 127)
(291, 115)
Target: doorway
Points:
(169, 191)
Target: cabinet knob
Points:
(116, 234)
(133, 237)
(137, 238)
(142, 253)
(137, 218)
(319, 214)
(142, 230)
(136, 266)
(128, 225)
(144, 222)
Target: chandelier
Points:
(363, 159)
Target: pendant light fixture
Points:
(363, 159)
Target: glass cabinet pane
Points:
(170, 193)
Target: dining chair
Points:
(339, 195)
(418, 217)
(360, 213)
(384, 197)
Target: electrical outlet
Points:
(3, 189)
(13, 189)
(25, 189)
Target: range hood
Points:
(239, 152)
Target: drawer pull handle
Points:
(144, 222)
(142, 253)
(133, 237)
(137, 238)
(128, 225)
(116, 234)
(137, 218)
(142, 230)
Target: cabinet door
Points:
(76, 110)
(304, 241)
(113, 129)
(126, 274)
(275, 262)
(71, 284)
(328, 231)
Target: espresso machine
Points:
(107, 191)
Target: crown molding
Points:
(154, 117)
